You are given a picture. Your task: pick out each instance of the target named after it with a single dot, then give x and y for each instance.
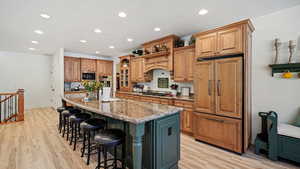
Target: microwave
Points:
(88, 76)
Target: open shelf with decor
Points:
(288, 67)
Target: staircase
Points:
(12, 107)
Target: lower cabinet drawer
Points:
(220, 131)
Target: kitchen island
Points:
(152, 130)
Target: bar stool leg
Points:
(105, 157)
(68, 129)
(99, 157)
(60, 122)
(115, 157)
(89, 148)
(83, 144)
(75, 137)
(123, 155)
(72, 132)
(64, 127)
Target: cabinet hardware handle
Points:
(209, 87)
(220, 121)
(219, 87)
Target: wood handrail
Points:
(1, 94)
(13, 104)
(6, 98)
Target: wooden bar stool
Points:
(110, 138)
(66, 122)
(90, 127)
(75, 121)
(60, 121)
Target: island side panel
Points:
(167, 142)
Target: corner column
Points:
(137, 131)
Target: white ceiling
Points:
(74, 20)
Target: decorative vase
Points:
(89, 96)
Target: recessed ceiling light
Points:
(83, 41)
(122, 14)
(97, 52)
(203, 11)
(45, 16)
(39, 32)
(35, 42)
(97, 30)
(157, 29)
(129, 39)
(31, 48)
(111, 47)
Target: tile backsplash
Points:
(165, 74)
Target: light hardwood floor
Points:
(36, 144)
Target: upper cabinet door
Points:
(88, 65)
(204, 86)
(230, 41)
(134, 69)
(108, 68)
(104, 68)
(72, 71)
(228, 85)
(180, 66)
(206, 45)
(140, 70)
(190, 63)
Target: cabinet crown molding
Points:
(243, 22)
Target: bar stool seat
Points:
(110, 137)
(89, 127)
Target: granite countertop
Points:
(127, 110)
(186, 98)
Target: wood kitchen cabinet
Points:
(184, 58)
(230, 41)
(206, 45)
(203, 86)
(104, 68)
(125, 74)
(226, 41)
(186, 115)
(72, 71)
(218, 87)
(228, 85)
(187, 121)
(220, 131)
(137, 70)
(222, 85)
(88, 65)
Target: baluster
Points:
(0, 109)
(16, 107)
(5, 105)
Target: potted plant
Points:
(91, 87)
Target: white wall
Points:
(57, 77)
(273, 93)
(31, 72)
